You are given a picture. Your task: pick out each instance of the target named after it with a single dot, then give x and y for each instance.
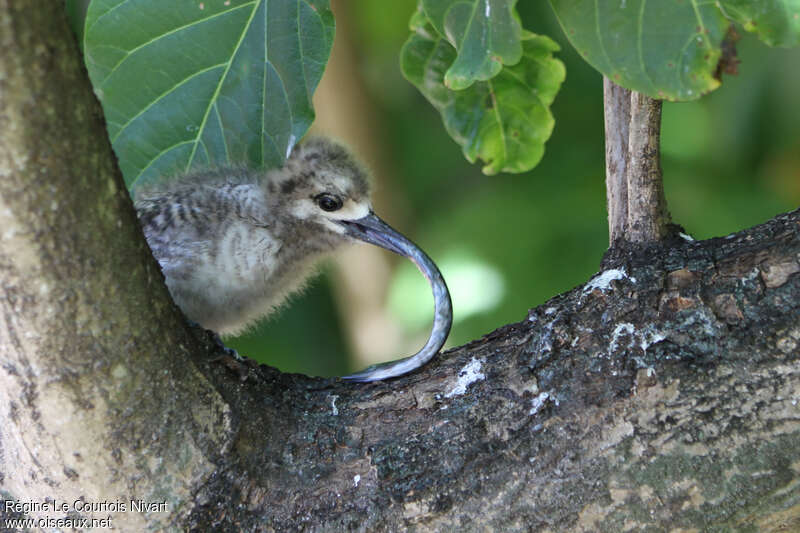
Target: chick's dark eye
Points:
(328, 202)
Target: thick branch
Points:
(660, 395)
(99, 401)
(637, 207)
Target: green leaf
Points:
(504, 121)
(663, 49)
(205, 82)
(776, 22)
(486, 34)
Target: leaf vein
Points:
(135, 49)
(156, 158)
(222, 80)
(162, 96)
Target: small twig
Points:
(637, 207)
(647, 207)
(617, 116)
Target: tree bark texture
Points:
(662, 395)
(99, 401)
(637, 207)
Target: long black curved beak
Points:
(375, 231)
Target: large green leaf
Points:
(486, 34)
(670, 50)
(776, 22)
(664, 49)
(191, 83)
(504, 121)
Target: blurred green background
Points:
(511, 242)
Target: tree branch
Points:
(637, 207)
(100, 401)
(648, 217)
(661, 394)
(617, 108)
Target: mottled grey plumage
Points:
(234, 243)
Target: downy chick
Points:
(233, 243)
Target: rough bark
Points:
(617, 108)
(99, 400)
(662, 395)
(637, 207)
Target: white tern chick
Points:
(233, 243)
